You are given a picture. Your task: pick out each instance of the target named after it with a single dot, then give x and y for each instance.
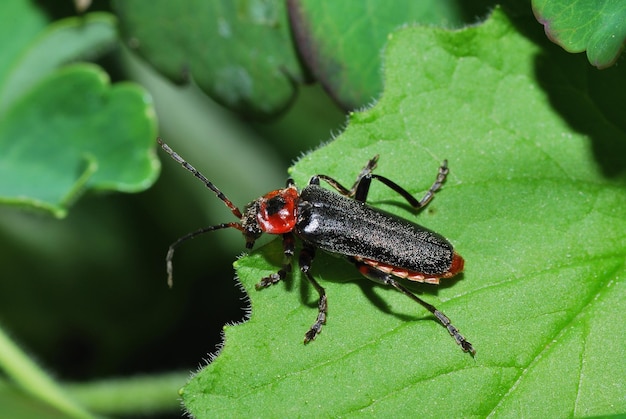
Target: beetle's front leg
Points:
(288, 251)
(306, 258)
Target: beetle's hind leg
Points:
(387, 279)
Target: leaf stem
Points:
(146, 394)
(34, 380)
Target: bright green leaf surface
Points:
(75, 131)
(342, 41)
(536, 207)
(240, 53)
(598, 27)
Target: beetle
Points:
(383, 247)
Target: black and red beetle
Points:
(382, 246)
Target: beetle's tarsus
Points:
(319, 322)
(271, 280)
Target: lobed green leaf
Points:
(64, 130)
(95, 137)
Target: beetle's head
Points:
(273, 213)
(250, 226)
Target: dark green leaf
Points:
(527, 203)
(240, 53)
(342, 41)
(598, 27)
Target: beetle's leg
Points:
(387, 279)
(306, 258)
(366, 171)
(170, 252)
(363, 187)
(288, 250)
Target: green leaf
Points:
(64, 130)
(240, 53)
(535, 202)
(35, 384)
(61, 42)
(74, 131)
(598, 27)
(26, 22)
(344, 52)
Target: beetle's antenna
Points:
(236, 212)
(173, 246)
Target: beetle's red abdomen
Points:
(457, 265)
